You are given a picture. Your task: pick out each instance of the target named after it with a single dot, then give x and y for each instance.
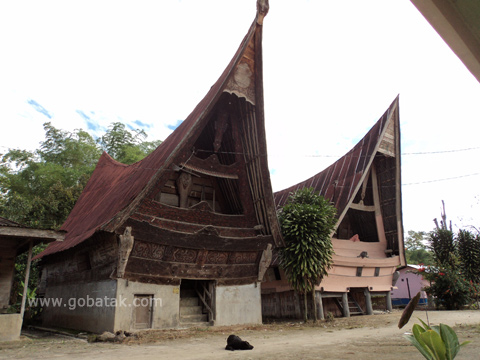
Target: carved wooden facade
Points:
(200, 207)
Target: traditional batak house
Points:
(184, 235)
(364, 186)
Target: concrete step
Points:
(190, 310)
(188, 301)
(195, 318)
(195, 324)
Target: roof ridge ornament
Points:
(262, 10)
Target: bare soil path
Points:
(372, 337)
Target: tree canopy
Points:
(416, 248)
(40, 188)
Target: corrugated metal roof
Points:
(6, 222)
(338, 182)
(114, 187)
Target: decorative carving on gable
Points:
(185, 255)
(125, 248)
(247, 257)
(184, 185)
(217, 257)
(148, 250)
(262, 10)
(265, 262)
(242, 83)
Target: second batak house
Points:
(365, 187)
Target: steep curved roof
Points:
(114, 189)
(340, 181)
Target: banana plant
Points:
(435, 342)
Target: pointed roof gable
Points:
(115, 190)
(341, 181)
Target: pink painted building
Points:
(408, 285)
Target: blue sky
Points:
(330, 71)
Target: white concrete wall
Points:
(10, 327)
(241, 304)
(84, 306)
(166, 304)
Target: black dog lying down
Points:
(235, 343)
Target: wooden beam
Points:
(27, 276)
(170, 269)
(376, 204)
(199, 240)
(32, 233)
(398, 196)
(362, 207)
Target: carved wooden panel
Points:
(148, 267)
(148, 250)
(105, 250)
(247, 257)
(217, 257)
(141, 230)
(185, 255)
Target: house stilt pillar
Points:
(346, 309)
(388, 300)
(368, 301)
(319, 305)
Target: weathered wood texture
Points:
(289, 305)
(195, 216)
(93, 260)
(207, 238)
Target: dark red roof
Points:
(114, 186)
(6, 222)
(338, 182)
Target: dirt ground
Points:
(372, 337)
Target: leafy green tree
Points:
(39, 188)
(454, 276)
(442, 245)
(468, 245)
(125, 146)
(307, 221)
(416, 249)
(449, 287)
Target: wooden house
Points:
(184, 235)
(365, 187)
(16, 239)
